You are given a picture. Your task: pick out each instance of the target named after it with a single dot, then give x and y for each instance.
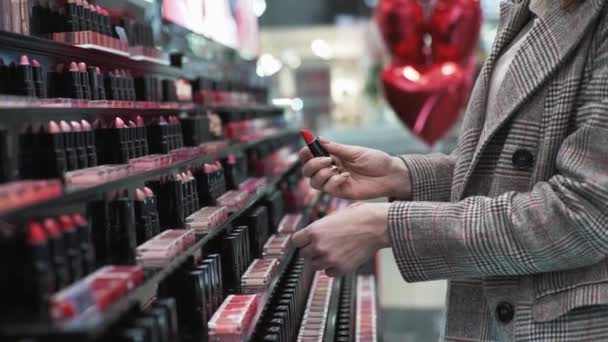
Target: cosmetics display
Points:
(142, 197)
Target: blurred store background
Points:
(324, 59)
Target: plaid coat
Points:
(517, 217)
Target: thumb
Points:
(345, 152)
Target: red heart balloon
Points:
(455, 26)
(428, 89)
(402, 25)
(427, 100)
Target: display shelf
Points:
(332, 312)
(96, 327)
(31, 45)
(41, 111)
(71, 196)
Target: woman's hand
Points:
(341, 242)
(359, 173)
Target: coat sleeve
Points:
(560, 224)
(431, 176)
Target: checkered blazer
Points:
(517, 217)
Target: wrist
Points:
(399, 180)
(379, 225)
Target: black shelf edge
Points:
(26, 44)
(73, 196)
(52, 112)
(141, 295)
(307, 213)
(332, 312)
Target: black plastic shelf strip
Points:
(332, 312)
(306, 218)
(140, 295)
(53, 112)
(84, 194)
(24, 44)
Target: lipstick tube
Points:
(313, 144)
(69, 139)
(6, 162)
(85, 243)
(39, 80)
(85, 82)
(24, 78)
(58, 253)
(123, 236)
(71, 242)
(72, 16)
(40, 282)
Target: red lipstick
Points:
(313, 144)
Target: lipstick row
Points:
(227, 93)
(281, 322)
(79, 81)
(53, 253)
(317, 307)
(73, 16)
(76, 22)
(48, 151)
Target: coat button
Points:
(505, 312)
(523, 159)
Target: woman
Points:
(517, 217)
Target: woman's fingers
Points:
(314, 165)
(335, 181)
(305, 154)
(320, 178)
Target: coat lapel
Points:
(552, 38)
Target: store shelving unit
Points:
(143, 293)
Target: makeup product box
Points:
(233, 200)
(317, 307)
(211, 183)
(207, 219)
(257, 221)
(94, 294)
(274, 204)
(290, 224)
(165, 135)
(234, 320)
(276, 246)
(195, 130)
(163, 248)
(259, 275)
(22, 193)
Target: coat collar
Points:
(552, 38)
